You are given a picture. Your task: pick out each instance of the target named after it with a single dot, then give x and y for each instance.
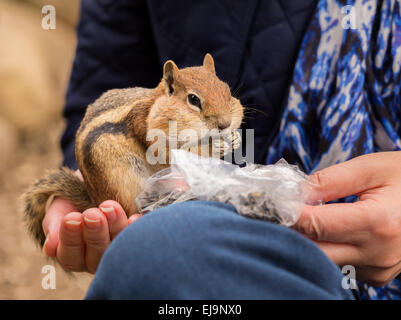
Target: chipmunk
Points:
(111, 141)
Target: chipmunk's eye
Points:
(194, 100)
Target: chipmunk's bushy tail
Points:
(60, 183)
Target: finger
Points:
(96, 237)
(52, 222)
(134, 218)
(71, 249)
(349, 178)
(342, 253)
(376, 276)
(179, 184)
(338, 222)
(345, 254)
(51, 243)
(115, 215)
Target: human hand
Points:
(77, 240)
(366, 233)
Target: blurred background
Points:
(35, 66)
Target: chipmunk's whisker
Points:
(249, 109)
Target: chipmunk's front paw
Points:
(226, 144)
(220, 148)
(236, 141)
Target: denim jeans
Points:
(204, 250)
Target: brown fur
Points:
(63, 183)
(111, 142)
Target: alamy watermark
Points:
(349, 279)
(49, 18)
(225, 144)
(349, 20)
(49, 280)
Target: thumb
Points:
(52, 222)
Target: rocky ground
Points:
(34, 70)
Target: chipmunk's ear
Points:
(208, 62)
(170, 71)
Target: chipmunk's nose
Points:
(223, 122)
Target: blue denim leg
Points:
(204, 250)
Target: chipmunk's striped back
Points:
(111, 143)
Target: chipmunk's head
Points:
(196, 99)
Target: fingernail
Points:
(72, 225)
(107, 209)
(109, 213)
(91, 223)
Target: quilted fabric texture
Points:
(124, 43)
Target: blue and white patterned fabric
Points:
(345, 99)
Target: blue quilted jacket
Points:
(124, 43)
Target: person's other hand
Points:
(77, 240)
(366, 233)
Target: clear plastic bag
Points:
(272, 192)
